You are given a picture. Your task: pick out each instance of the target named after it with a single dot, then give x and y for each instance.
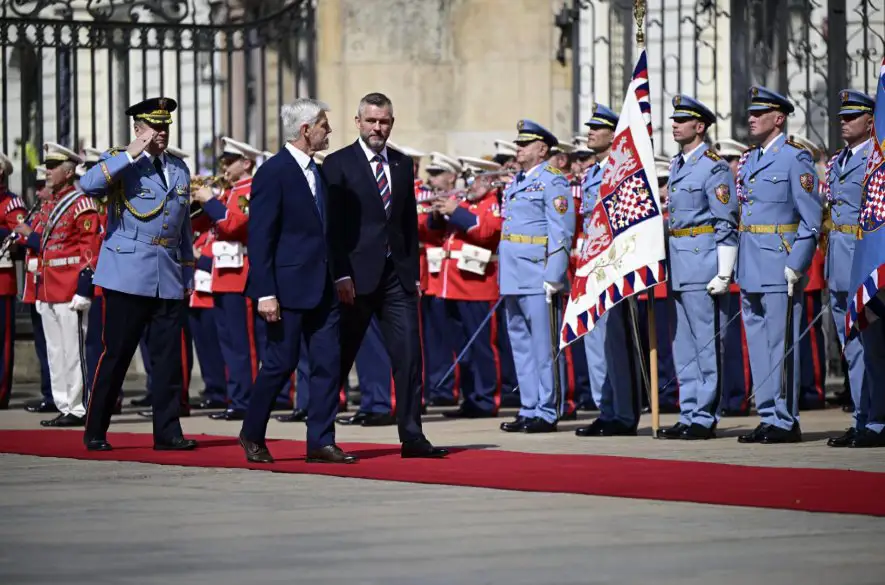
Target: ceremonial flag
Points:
(624, 252)
(868, 267)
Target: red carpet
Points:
(813, 490)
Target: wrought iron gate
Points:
(70, 68)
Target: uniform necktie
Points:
(158, 164)
(846, 158)
(520, 176)
(383, 185)
(318, 186)
(680, 163)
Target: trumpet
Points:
(212, 181)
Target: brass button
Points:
(672, 210)
(166, 212)
(838, 214)
(165, 226)
(118, 248)
(696, 250)
(841, 180)
(753, 180)
(780, 248)
(749, 212)
(750, 202)
(750, 192)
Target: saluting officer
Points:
(780, 223)
(702, 252)
(609, 352)
(843, 193)
(539, 224)
(145, 269)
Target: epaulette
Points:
(796, 145)
(552, 169)
(115, 150)
(84, 205)
(712, 155)
(15, 202)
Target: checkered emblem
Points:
(872, 214)
(630, 203)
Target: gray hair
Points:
(301, 111)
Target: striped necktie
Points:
(383, 185)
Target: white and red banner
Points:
(624, 252)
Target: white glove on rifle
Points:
(727, 256)
(792, 278)
(80, 304)
(550, 289)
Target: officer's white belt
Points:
(53, 262)
(456, 255)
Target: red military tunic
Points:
(462, 285)
(421, 194)
(72, 247)
(431, 240)
(202, 247)
(231, 224)
(32, 258)
(12, 213)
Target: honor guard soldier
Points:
(780, 223)
(608, 347)
(67, 247)
(539, 224)
(229, 214)
(470, 228)
(439, 347)
(703, 223)
(843, 192)
(145, 270)
(12, 213)
(45, 404)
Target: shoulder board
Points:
(84, 205)
(753, 147)
(552, 169)
(712, 155)
(15, 202)
(795, 145)
(115, 150)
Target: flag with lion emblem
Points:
(624, 253)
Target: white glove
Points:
(792, 278)
(717, 286)
(80, 304)
(727, 257)
(550, 289)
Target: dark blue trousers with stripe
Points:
(480, 366)
(205, 335)
(439, 351)
(40, 349)
(509, 384)
(7, 337)
(665, 324)
(187, 363)
(237, 338)
(373, 369)
(812, 355)
(736, 377)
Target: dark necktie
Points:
(680, 163)
(158, 164)
(318, 186)
(383, 185)
(846, 158)
(519, 177)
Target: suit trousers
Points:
(397, 314)
(65, 331)
(127, 316)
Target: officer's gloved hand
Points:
(792, 278)
(718, 286)
(550, 289)
(80, 304)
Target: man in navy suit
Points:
(374, 221)
(291, 278)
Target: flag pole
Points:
(639, 11)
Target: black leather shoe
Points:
(867, 439)
(379, 419)
(41, 406)
(442, 402)
(64, 420)
(698, 432)
(606, 429)
(465, 411)
(210, 404)
(734, 412)
(142, 402)
(776, 435)
(330, 454)
(98, 445)
(517, 425)
(176, 444)
(594, 429)
(539, 425)
(422, 449)
(573, 415)
(843, 440)
(356, 419)
(255, 452)
(146, 413)
(674, 432)
(754, 436)
(297, 415)
(229, 414)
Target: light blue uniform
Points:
(702, 196)
(780, 224)
(539, 219)
(148, 246)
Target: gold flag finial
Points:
(639, 10)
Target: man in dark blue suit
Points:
(291, 278)
(374, 222)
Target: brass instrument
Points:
(217, 183)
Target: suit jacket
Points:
(361, 230)
(288, 250)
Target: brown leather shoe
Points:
(330, 454)
(255, 452)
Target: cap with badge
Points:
(580, 146)
(54, 154)
(602, 117)
(410, 152)
(441, 163)
(763, 99)
(176, 152)
(504, 151)
(807, 144)
(6, 164)
(40, 174)
(728, 147)
(855, 102)
(688, 108)
(156, 110)
(562, 148)
(91, 158)
(236, 149)
(477, 165)
(532, 131)
(662, 168)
